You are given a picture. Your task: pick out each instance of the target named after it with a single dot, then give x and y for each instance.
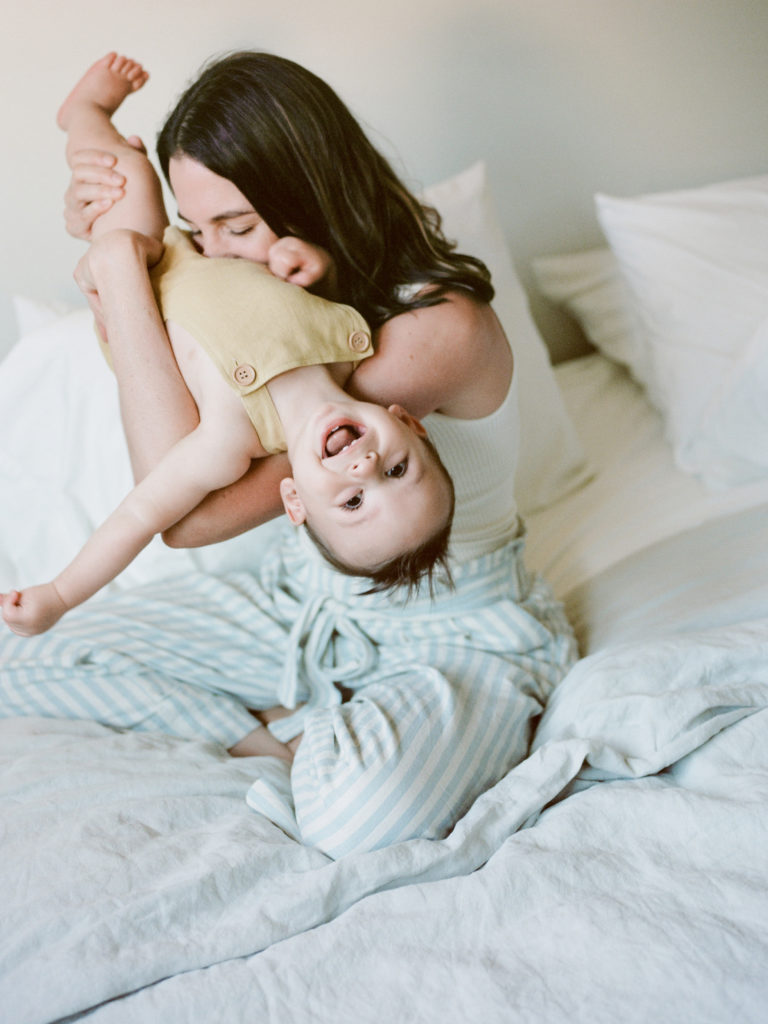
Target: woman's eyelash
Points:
(242, 231)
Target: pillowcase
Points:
(731, 442)
(681, 298)
(64, 460)
(589, 285)
(552, 460)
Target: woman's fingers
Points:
(94, 186)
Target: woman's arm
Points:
(250, 501)
(453, 358)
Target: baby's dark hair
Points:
(284, 138)
(408, 570)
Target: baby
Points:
(265, 362)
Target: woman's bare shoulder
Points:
(453, 357)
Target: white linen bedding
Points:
(632, 888)
(643, 548)
(618, 873)
(636, 496)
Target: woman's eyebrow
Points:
(226, 215)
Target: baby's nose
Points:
(366, 464)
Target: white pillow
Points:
(552, 460)
(64, 460)
(696, 266)
(589, 285)
(732, 439)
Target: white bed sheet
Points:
(611, 548)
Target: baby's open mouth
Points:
(339, 438)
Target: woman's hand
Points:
(304, 264)
(109, 247)
(93, 188)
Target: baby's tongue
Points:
(339, 440)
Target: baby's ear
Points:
(416, 425)
(292, 503)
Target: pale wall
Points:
(561, 97)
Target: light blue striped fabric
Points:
(442, 693)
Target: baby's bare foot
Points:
(105, 85)
(261, 743)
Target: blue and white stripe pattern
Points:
(442, 693)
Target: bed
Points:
(620, 872)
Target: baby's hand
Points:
(299, 262)
(32, 611)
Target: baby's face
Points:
(366, 482)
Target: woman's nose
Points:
(212, 248)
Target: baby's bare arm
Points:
(302, 263)
(33, 610)
(194, 466)
(197, 464)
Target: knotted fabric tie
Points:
(313, 649)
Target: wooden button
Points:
(359, 341)
(244, 375)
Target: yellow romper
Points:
(253, 325)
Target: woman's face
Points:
(220, 218)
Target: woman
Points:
(406, 710)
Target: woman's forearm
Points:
(252, 500)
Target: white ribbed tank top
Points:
(481, 456)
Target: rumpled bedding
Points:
(618, 873)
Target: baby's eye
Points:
(399, 470)
(354, 503)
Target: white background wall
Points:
(561, 97)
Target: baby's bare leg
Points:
(86, 117)
(86, 114)
(261, 743)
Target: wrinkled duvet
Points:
(619, 873)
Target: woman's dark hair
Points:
(283, 137)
